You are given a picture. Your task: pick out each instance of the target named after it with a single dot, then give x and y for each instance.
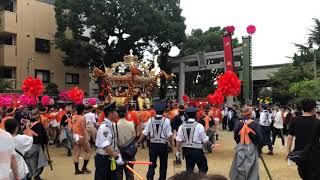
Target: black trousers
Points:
(195, 157)
(128, 174)
(155, 151)
(224, 122)
(103, 168)
(275, 133)
(267, 137)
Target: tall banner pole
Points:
(228, 61)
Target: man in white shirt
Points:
(22, 143)
(265, 121)
(7, 157)
(91, 123)
(278, 126)
(159, 130)
(107, 149)
(190, 139)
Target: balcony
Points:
(8, 22)
(8, 55)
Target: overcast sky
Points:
(279, 23)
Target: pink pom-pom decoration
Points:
(27, 100)
(45, 100)
(63, 96)
(230, 29)
(251, 29)
(92, 101)
(5, 101)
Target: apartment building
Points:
(27, 29)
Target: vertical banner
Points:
(228, 55)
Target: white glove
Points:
(178, 155)
(119, 161)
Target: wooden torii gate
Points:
(201, 61)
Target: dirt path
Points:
(219, 163)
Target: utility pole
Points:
(29, 61)
(315, 64)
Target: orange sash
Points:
(244, 133)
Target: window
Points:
(8, 72)
(95, 91)
(72, 78)
(42, 45)
(48, 1)
(44, 75)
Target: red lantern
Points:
(185, 98)
(32, 87)
(230, 29)
(229, 84)
(76, 95)
(251, 29)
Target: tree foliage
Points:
(51, 89)
(200, 84)
(306, 88)
(5, 85)
(114, 27)
(298, 74)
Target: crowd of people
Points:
(115, 134)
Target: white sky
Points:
(278, 23)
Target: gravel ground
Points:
(219, 162)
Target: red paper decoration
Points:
(229, 84)
(218, 97)
(230, 29)
(32, 87)
(76, 95)
(210, 98)
(251, 29)
(185, 98)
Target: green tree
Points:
(200, 84)
(301, 69)
(5, 85)
(282, 80)
(116, 26)
(306, 88)
(51, 89)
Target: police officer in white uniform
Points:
(159, 130)
(107, 150)
(190, 138)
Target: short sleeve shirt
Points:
(200, 135)
(6, 152)
(90, 119)
(166, 132)
(302, 128)
(105, 137)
